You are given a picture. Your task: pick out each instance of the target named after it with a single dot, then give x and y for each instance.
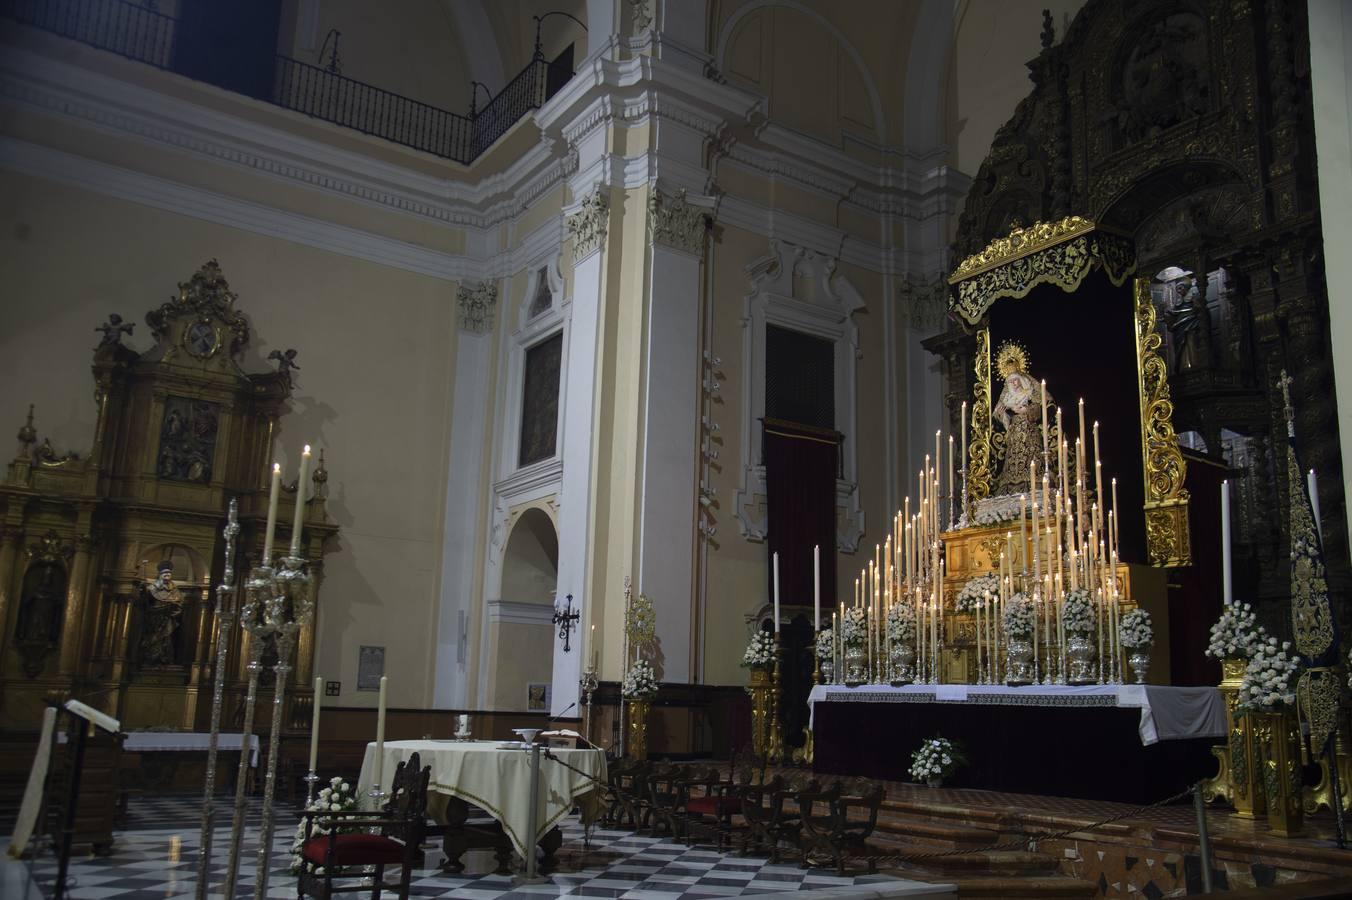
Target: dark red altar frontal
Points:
(1088, 752)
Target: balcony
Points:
(145, 35)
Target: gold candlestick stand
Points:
(1239, 779)
(775, 749)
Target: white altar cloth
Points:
(188, 742)
(496, 780)
(1167, 713)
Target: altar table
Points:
(497, 781)
(1134, 743)
(187, 742)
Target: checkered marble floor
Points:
(156, 857)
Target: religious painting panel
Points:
(188, 439)
(540, 401)
(41, 603)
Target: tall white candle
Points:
(817, 587)
(314, 723)
(1045, 436)
(1225, 542)
(1313, 484)
(951, 466)
(300, 501)
(776, 561)
(271, 532)
(962, 436)
(380, 734)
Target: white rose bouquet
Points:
(339, 796)
(640, 682)
(854, 628)
(936, 759)
(1135, 629)
(1078, 613)
(1270, 679)
(901, 623)
(826, 640)
(981, 589)
(760, 653)
(1235, 633)
(1018, 618)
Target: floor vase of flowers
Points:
(1267, 695)
(1238, 780)
(638, 690)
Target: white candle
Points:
(271, 532)
(1045, 435)
(1313, 484)
(1225, 542)
(962, 437)
(314, 723)
(379, 768)
(817, 587)
(776, 563)
(300, 501)
(951, 466)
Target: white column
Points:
(577, 404)
(466, 477)
(668, 479)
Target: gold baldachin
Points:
(1166, 500)
(1021, 242)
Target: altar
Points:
(1129, 743)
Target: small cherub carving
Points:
(113, 330)
(286, 362)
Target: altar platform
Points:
(1128, 743)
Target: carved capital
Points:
(477, 303)
(675, 222)
(587, 226)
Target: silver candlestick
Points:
(225, 618)
(589, 684)
(289, 608)
(254, 621)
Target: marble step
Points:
(943, 834)
(1050, 887)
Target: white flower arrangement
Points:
(1235, 633)
(996, 516)
(640, 682)
(1018, 617)
(339, 796)
(826, 644)
(854, 628)
(981, 589)
(901, 623)
(760, 653)
(1135, 630)
(937, 758)
(1270, 679)
(1078, 613)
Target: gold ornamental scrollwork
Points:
(979, 462)
(1166, 500)
(1060, 253)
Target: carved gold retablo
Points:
(1021, 242)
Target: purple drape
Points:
(800, 479)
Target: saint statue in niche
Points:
(1189, 324)
(40, 613)
(1019, 412)
(163, 613)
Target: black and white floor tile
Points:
(156, 859)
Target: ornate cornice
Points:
(676, 223)
(587, 225)
(477, 303)
(1021, 242)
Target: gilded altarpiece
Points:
(108, 556)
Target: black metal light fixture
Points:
(540, 20)
(566, 619)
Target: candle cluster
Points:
(274, 493)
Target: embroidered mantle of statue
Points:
(1018, 411)
(163, 611)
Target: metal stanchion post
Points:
(532, 876)
(1203, 839)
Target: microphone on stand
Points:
(565, 709)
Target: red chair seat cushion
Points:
(353, 850)
(713, 806)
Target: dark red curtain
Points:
(1195, 590)
(800, 479)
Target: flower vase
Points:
(903, 664)
(828, 671)
(1020, 661)
(1278, 743)
(1139, 660)
(1081, 652)
(856, 668)
(934, 782)
(636, 745)
(761, 714)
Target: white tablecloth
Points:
(186, 741)
(496, 780)
(1167, 713)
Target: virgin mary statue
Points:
(1019, 410)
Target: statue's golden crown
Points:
(1011, 358)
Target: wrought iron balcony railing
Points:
(154, 38)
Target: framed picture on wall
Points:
(370, 666)
(538, 695)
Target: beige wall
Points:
(376, 352)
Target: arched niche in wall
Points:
(520, 618)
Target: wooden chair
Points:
(827, 827)
(718, 800)
(394, 838)
(768, 820)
